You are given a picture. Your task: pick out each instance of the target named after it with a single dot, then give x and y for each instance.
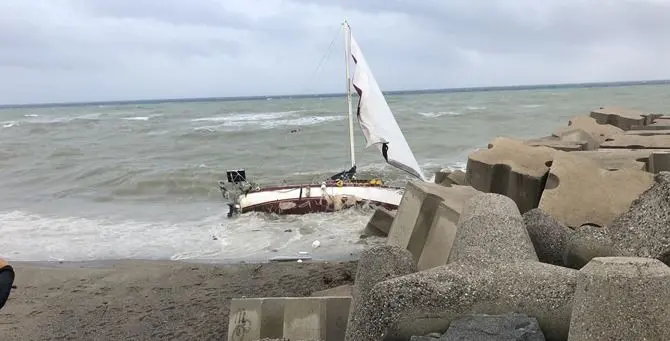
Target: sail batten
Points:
(376, 120)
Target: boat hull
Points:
(313, 198)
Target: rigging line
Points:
(325, 56)
(312, 81)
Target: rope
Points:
(312, 82)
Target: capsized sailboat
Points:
(344, 189)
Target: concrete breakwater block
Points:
(428, 301)
(645, 132)
(447, 177)
(621, 298)
(494, 270)
(441, 236)
(599, 132)
(650, 160)
(255, 318)
(623, 118)
(637, 142)
(380, 222)
(491, 227)
(512, 168)
(661, 123)
(295, 318)
(578, 191)
(505, 327)
(375, 265)
(644, 229)
(418, 206)
(613, 159)
(441, 176)
(588, 242)
(548, 235)
(580, 136)
(571, 143)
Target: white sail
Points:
(376, 119)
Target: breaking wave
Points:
(433, 114)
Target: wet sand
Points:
(148, 300)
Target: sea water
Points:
(91, 182)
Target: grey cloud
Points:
(177, 12)
(175, 48)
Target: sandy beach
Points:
(148, 300)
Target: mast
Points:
(347, 52)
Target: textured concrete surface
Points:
(504, 327)
(380, 222)
(588, 242)
(570, 144)
(457, 177)
(599, 132)
(429, 301)
(580, 136)
(252, 319)
(644, 229)
(637, 142)
(414, 219)
(621, 298)
(510, 167)
(578, 191)
(623, 118)
(549, 236)
(374, 266)
(316, 318)
(414, 216)
(644, 132)
(491, 227)
(613, 159)
(447, 177)
(442, 232)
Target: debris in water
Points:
(289, 258)
(316, 244)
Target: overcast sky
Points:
(89, 50)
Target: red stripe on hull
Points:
(305, 206)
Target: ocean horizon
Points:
(329, 95)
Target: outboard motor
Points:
(233, 209)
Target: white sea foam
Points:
(32, 237)
(36, 119)
(246, 117)
(433, 114)
(236, 125)
(8, 124)
(460, 165)
(302, 121)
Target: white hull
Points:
(309, 198)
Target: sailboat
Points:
(342, 190)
